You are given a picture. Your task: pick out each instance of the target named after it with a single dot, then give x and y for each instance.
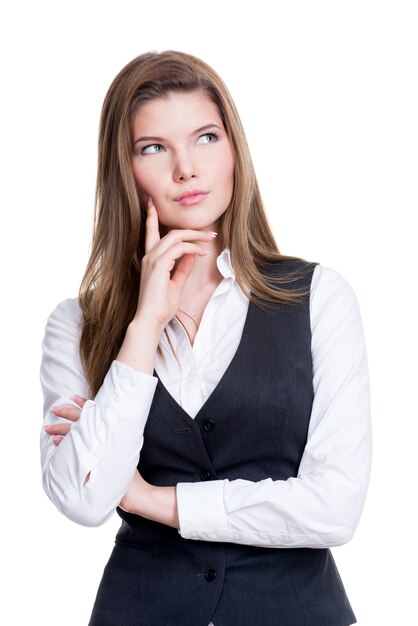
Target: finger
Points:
(183, 270)
(57, 440)
(183, 262)
(79, 400)
(152, 232)
(58, 429)
(69, 412)
(182, 237)
(177, 251)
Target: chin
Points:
(188, 224)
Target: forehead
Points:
(176, 112)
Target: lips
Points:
(188, 194)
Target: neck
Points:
(205, 272)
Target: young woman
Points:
(222, 402)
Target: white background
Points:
(327, 93)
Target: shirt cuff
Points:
(124, 389)
(201, 510)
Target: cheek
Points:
(226, 170)
(146, 179)
(138, 175)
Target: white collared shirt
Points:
(319, 508)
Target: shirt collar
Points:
(224, 264)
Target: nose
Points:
(184, 167)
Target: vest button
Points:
(210, 575)
(205, 475)
(209, 425)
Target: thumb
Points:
(183, 270)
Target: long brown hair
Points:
(108, 294)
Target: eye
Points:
(151, 146)
(210, 135)
(158, 145)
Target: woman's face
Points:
(179, 155)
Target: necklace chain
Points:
(197, 328)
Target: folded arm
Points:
(110, 426)
(321, 507)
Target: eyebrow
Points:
(198, 130)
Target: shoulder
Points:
(66, 315)
(332, 295)
(67, 308)
(329, 282)
(327, 286)
(61, 367)
(289, 272)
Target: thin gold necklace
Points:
(197, 328)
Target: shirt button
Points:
(210, 575)
(205, 475)
(209, 425)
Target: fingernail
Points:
(149, 202)
(211, 232)
(47, 427)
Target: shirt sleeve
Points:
(321, 507)
(107, 438)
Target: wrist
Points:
(165, 506)
(141, 324)
(140, 345)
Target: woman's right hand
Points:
(160, 293)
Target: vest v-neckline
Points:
(221, 381)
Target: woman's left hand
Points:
(59, 431)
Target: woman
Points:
(228, 419)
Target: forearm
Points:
(301, 512)
(105, 441)
(321, 507)
(158, 504)
(165, 506)
(140, 344)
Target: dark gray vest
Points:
(253, 426)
